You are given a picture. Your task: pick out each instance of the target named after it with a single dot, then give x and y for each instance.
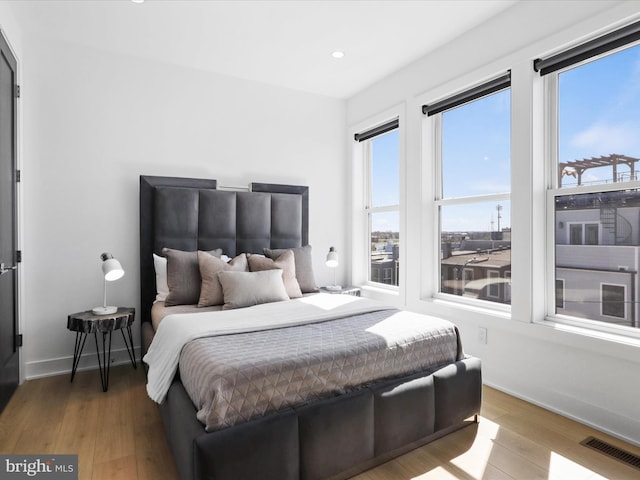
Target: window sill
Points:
(390, 290)
(497, 310)
(612, 338)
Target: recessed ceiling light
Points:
(337, 54)
(137, 1)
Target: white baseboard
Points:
(601, 419)
(61, 366)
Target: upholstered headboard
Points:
(191, 214)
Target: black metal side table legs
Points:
(104, 358)
(130, 351)
(77, 352)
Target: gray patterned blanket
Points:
(232, 378)
(176, 330)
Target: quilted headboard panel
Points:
(190, 214)
(195, 219)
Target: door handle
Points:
(4, 269)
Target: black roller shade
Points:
(487, 88)
(379, 130)
(597, 46)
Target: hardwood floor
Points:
(119, 435)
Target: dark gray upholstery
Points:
(335, 435)
(217, 220)
(327, 437)
(148, 185)
(176, 213)
(266, 449)
(404, 413)
(286, 218)
(238, 222)
(182, 427)
(458, 392)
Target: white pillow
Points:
(162, 287)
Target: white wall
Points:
(593, 379)
(94, 121)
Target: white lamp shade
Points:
(332, 258)
(112, 270)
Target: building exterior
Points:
(385, 264)
(478, 269)
(597, 255)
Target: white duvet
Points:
(178, 329)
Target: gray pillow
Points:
(211, 290)
(244, 289)
(183, 276)
(304, 266)
(286, 263)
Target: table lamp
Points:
(332, 262)
(112, 270)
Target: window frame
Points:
(370, 210)
(496, 286)
(561, 280)
(573, 229)
(553, 191)
(624, 300)
(360, 229)
(433, 125)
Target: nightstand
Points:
(346, 290)
(84, 323)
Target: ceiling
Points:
(284, 43)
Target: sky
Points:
(598, 115)
(385, 178)
(599, 106)
(476, 160)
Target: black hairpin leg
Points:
(130, 351)
(106, 359)
(77, 352)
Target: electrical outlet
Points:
(482, 335)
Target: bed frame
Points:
(333, 438)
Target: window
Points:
(494, 286)
(575, 235)
(382, 206)
(613, 300)
(583, 233)
(559, 293)
(594, 190)
(473, 145)
(468, 275)
(591, 234)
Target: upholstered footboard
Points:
(333, 438)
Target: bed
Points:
(364, 393)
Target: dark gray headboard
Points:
(190, 214)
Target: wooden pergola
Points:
(576, 168)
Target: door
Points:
(9, 366)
